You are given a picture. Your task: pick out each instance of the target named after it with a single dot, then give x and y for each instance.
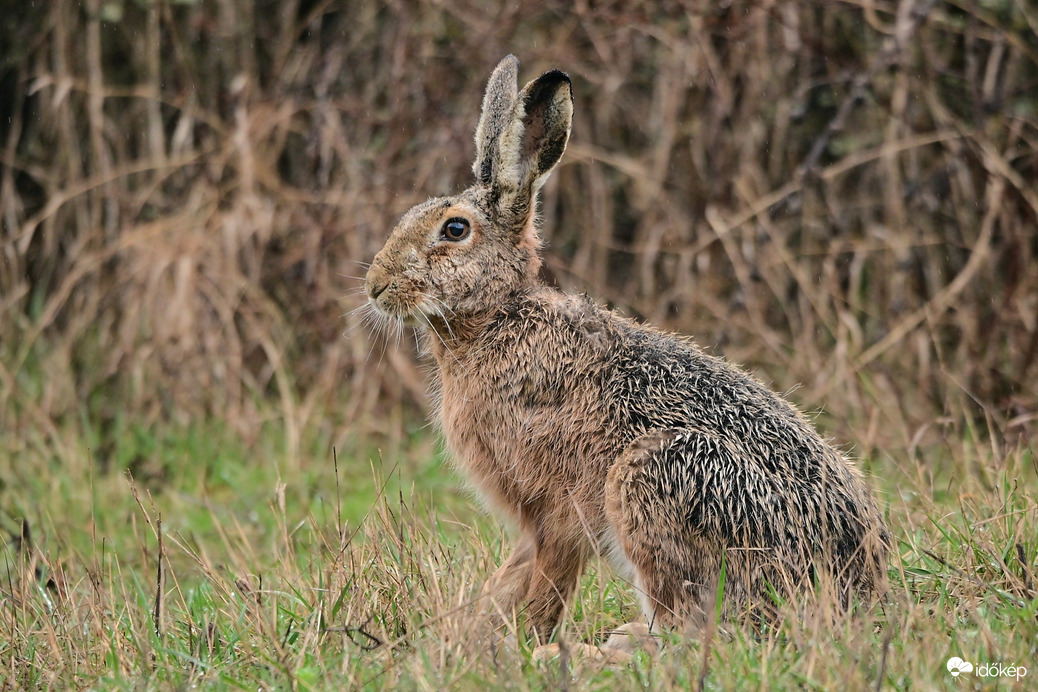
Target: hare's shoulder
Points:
(555, 330)
(546, 318)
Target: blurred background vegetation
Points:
(838, 195)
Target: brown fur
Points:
(594, 434)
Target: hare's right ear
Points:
(521, 136)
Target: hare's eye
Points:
(455, 229)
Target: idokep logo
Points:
(956, 666)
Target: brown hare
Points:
(596, 435)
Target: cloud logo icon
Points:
(957, 666)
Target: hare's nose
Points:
(377, 288)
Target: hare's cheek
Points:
(446, 272)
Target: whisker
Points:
(438, 306)
(366, 307)
(417, 344)
(425, 319)
(381, 326)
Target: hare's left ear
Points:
(515, 153)
(496, 114)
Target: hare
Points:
(596, 435)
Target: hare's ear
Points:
(497, 111)
(530, 141)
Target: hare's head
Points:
(456, 257)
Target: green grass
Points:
(361, 574)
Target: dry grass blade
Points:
(160, 582)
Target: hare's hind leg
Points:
(676, 564)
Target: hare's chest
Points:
(485, 444)
(482, 421)
(520, 437)
(504, 429)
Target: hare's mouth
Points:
(390, 301)
(396, 312)
(414, 312)
(408, 302)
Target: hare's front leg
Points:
(508, 586)
(556, 572)
(544, 575)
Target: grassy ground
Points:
(358, 573)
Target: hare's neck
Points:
(450, 340)
(454, 341)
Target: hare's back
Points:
(660, 381)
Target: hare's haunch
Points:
(595, 434)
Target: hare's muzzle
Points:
(384, 292)
(376, 288)
(378, 279)
(379, 294)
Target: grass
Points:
(358, 572)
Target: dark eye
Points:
(455, 230)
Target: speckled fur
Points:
(595, 434)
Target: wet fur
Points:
(597, 435)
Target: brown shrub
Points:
(838, 194)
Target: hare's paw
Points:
(619, 648)
(580, 652)
(629, 638)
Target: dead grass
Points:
(835, 194)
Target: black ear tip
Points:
(547, 85)
(555, 78)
